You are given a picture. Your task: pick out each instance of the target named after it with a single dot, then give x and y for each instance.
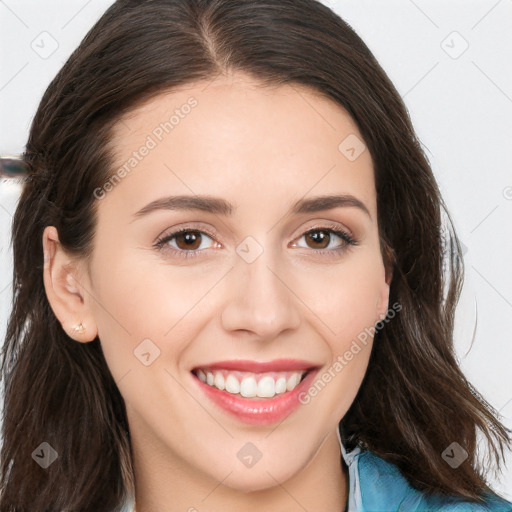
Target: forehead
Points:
(227, 105)
(233, 134)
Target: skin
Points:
(261, 149)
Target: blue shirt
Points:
(376, 485)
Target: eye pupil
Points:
(190, 238)
(319, 236)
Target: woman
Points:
(239, 301)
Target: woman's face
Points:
(250, 282)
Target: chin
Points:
(261, 476)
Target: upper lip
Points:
(245, 365)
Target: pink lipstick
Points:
(260, 393)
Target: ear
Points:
(388, 260)
(382, 302)
(67, 295)
(382, 305)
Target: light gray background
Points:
(452, 63)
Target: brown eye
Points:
(185, 242)
(319, 238)
(188, 240)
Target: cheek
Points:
(344, 296)
(344, 303)
(143, 305)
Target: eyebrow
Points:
(219, 206)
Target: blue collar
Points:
(376, 485)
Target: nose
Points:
(261, 299)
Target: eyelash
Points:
(332, 229)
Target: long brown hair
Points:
(414, 401)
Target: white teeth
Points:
(232, 385)
(219, 380)
(248, 387)
(280, 385)
(293, 381)
(266, 387)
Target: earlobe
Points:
(67, 296)
(383, 302)
(383, 299)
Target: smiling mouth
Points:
(263, 385)
(256, 393)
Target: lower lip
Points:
(261, 411)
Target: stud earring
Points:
(79, 329)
